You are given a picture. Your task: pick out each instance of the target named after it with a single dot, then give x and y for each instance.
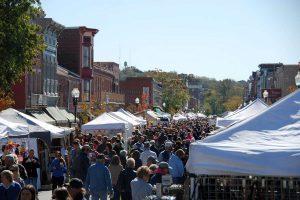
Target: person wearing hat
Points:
(76, 190)
(163, 169)
(166, 154)
(82, 163)
(147, 153)
(10, 160)
(98, 180)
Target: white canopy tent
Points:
(33, 124)
(250, 110)
(142, 121)
(126, 118)
(201, 115)
(108, 122)
(179, 117)
(8, 128)
(266, 145)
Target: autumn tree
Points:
(175, 93)
(20, 42)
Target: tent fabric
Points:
(126, 118)
(8, 128)
(179, 117)
(267, 144)
(105, 122)
(34, 125)
(142, 121)
(201, 115)
(41, 115)
(55, 113)
(250, 110)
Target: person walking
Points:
(147, 153)
(9, 189)
(98, 180)
(115, 169)
(177, 166)
(82, 163)
(125, 177)
(28, 192)
(58, 169)
(31, 164)
(76, 190)
(140, 188)
(16, 175)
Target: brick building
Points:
(285, 78)
(39, 88)
(67, 80)
(105, 84)
(75, 53)
(139, 87)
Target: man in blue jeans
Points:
(31, 163)
(98, 180)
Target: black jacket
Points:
(31, 167)
(125, 177)
(81, 165)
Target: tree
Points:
(20, 42)
(175, 93)
(233, 103)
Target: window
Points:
(86, 90)
(87, 39)
(86, 56)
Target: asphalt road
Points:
(45, 195)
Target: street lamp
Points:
(164, 106)
(75, 94)
(266, 95)
(137, 102)
(297, 79)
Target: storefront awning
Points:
(54, 112)
(68, 115)
(41, 115)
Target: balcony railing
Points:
(38, 100)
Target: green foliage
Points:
(175, 93)
(20, 42)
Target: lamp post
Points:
(266, 95)
(164, 106)
(137, 102)
(75, 94)
(297, 79)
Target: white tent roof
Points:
(33, 124)
(152, 114)
(125, 117)
(8, 128)
(105, 122)
(250, 110)
(142, 121)
(179, 117)
(201, 115)
(267, 144)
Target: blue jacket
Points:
(57, 169)
(98, 179)
(177, 167)
(11, 193)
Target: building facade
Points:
(40, 87)
(278, 79)
(67, 80)
(76, 53)
(146, 89)
(105, 84)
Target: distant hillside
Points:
(130, 72)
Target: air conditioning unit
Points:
(40, 100)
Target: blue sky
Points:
(215, 38)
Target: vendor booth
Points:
(140, 120)
(257, 157)
(179, 117)
(22, 127)
(109, 123)
(250, 110)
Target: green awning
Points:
(41, 115)
(68, 115)
(54, 112)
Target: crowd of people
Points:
(101, 167)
